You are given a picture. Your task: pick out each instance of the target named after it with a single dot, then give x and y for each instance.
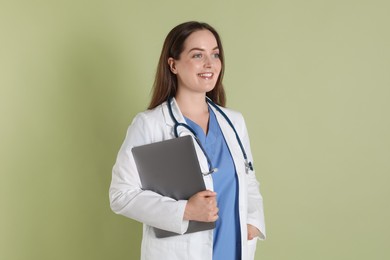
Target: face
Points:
(198, 66)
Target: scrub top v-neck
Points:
(227, 238)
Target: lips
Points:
(206, 75)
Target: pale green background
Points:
(311, 77)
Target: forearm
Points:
(150, 208)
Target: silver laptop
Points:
(171, 168)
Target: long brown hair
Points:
(165, 83)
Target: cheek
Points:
(192, 66)
(219, 66)
(218, 63)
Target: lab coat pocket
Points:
(252, 248)
(173, 248)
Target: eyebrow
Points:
(200, 49)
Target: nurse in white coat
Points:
(190, 69)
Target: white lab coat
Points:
(153, 210)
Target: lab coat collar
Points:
(180, 117)
(176, 112)
(229, 136)
(227, 131)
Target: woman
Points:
(189, 75)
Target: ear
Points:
(171, 63)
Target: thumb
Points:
(208, 193)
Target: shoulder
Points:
(146, 123)
(150, 116)
(147, 126)
(231, 112)
(236, 119)
(234, 116)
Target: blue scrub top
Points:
(227, 237)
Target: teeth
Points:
(206, 74)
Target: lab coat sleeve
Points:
(126, 196)
(255, 199)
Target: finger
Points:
(214, 212)
(251, 235)
(212, 201)
(208, 193)
(213, 218)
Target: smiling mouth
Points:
(207, 75)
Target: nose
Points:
(208, 62)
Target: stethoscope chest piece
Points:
(248, 166)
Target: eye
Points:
(197, 56)
(216, 55)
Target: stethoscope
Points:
(248, 164)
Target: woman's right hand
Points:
(202, 207)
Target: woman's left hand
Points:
(252, 232)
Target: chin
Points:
(209, 87)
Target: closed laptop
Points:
(171, 168)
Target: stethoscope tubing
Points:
(248, 164)
(177, 124)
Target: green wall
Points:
(311, 77)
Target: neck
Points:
(195, 108)
(194, 105)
